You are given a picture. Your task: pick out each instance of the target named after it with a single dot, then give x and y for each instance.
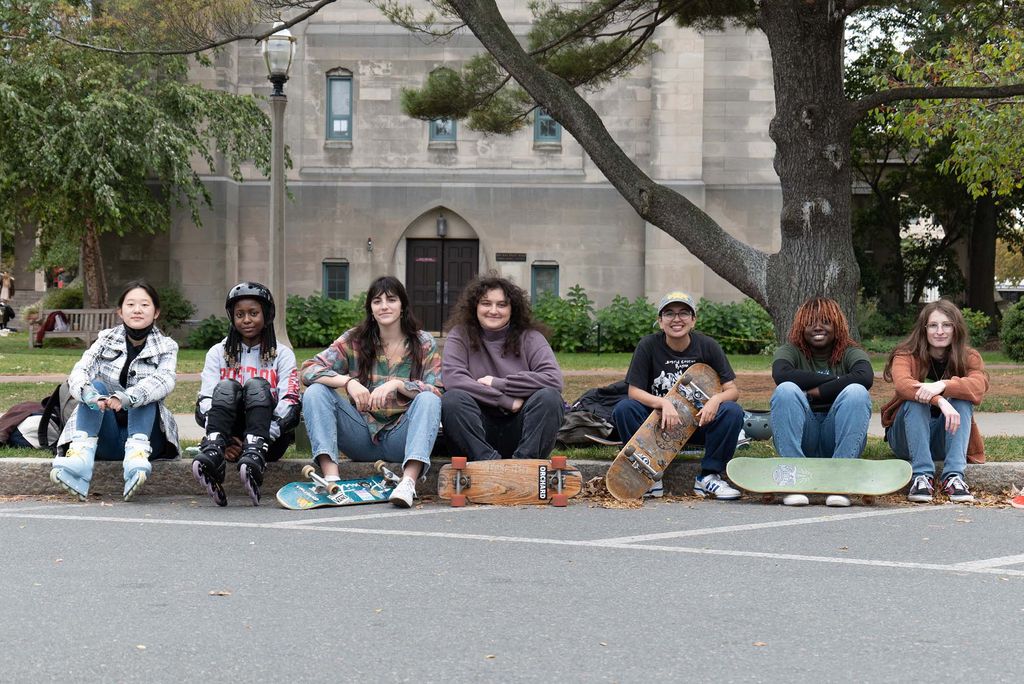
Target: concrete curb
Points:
(30, 476)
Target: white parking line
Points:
(991, 562)
(376, 516)
(838, 517)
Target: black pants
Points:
(239, 410)
(486, 433)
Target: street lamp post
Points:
(278, 50)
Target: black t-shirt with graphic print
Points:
(656, 368)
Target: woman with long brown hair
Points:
(391, 372)
(939, 379)
(503, 396)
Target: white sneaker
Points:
(656, 491)
(404, 493)
(837, 500)
(713, 486)
(795, 500)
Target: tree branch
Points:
(858, 108)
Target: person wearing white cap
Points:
(658, 362)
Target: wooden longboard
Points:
(649, 452)
(509, 482)
(819, 475)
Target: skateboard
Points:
(771, 476)
(316, 492)
(509, 482)
(644, 458)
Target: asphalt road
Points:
(167, 589)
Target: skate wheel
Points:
(307, 471)
(333, 488)
(379, 466)
(560, 500)
(459, 463)
(458, 500)
(559, 462)
(868, 500)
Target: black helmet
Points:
(251, 290)
(757, 424)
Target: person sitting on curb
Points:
(658, 362)
(503, 396)
(249, 396)
(939, 379)
(821, 406)
(391, 371)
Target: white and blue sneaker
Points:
(714, 487)
(656, 491)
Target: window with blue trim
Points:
(339, 106)
(546, 129)
(335, 276)
(442, 130)
(543, 278)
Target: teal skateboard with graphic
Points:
(771, 476)
(316, 492)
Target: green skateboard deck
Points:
(819, 475)
(316, 492)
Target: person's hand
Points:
(669, 416)
(710, 410)
(379, 397)
(486, 380)
(951, 416)
(813, 393)
(112, 403)
(91, 398)
(517, 404)
(360, 395)
(926, 391)
(233, 450)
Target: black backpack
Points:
(57, 409)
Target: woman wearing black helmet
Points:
(249, 398)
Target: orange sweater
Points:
(971, 387)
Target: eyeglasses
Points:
(935, 327)
(681, 315)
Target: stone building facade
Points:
(531, 205)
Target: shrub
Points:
(740, 327)
(874, 323)
(68, 297)
(569, 319)
(175, 309)
(316, 321)
(209, 332)
(622, 323)
(978, 325)
(1012, 333)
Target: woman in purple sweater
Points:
(503, 396)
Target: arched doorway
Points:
(438, 267)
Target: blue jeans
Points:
(917, 437)
(718, 437)
(798, 431)
(111, 436)
(334, 425)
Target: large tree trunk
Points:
(811, 130)
(92, 269)
(981, 257)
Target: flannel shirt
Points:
(151, 377)
(341, 358)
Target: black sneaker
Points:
(251, 464)
(957, 490)
(208, 467)
(921, 489)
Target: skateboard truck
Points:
(310, 473)
(642, 464)
(388, 474)
(694, 392)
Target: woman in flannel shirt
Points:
(391, 373)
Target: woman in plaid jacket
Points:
(121, 382)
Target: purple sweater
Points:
(514, 376)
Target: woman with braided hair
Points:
(249, 398)
(821, 406)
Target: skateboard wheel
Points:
(459, 463)
(458, 500)
(379, 466)
(559, 462)
(307, 470)
(560, 500)
(333, 488)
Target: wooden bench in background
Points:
(85, 324)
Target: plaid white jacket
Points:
(151, 376)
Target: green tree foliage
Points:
(96, 142)
(1012, 332)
